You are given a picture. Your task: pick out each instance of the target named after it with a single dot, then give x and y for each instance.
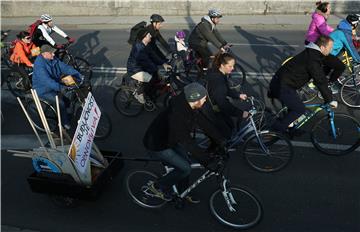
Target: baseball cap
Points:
(47, 48)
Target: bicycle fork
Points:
(228, 197)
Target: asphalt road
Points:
(314, 193)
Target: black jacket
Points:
(156, 37)
(218, 90)
(300, 69)
(205, 32)
(174, 125)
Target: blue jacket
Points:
(47, 74)
(343, 38)
(140, 59)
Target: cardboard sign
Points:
(80, 148)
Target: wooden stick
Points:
(22, 155)
(59, 119)
(33, 127)
(20, 152)
(43, 118)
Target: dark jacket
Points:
(218, 90)
(300, 69)
(206, 32)
(156, 41)
(47, 74)
(174, 125)
(140, 59)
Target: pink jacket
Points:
(317, 27)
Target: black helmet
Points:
(353, 19)
(156, 18)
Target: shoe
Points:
(192, 199)
(140, 98)
(67, 126)
(334, 87)
(166, 196)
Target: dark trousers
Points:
(334, 64)
(178, 159)
(204, 53)
(296, 107)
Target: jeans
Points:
(178, 159)
(64, 103)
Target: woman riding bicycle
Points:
(219, 91)
(23, 50)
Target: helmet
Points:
(352, 19)
(156, 18)
(180, 34)
(45, 18)
(215, 13)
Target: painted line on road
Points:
(29, 141)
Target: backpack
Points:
(134, 31)
(32, 28)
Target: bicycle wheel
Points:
(239, 72)
(104, 127)
(50, 115)
(83, 67)
(16, 86)
(338, 138)
(137, 183)
(350, 93)
(269, 152)
(307, 93)
(241, 209)
(126, 103)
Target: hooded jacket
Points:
(205, 32)
(343, 38)
(300, 69)
(318, 26)
(174, 126)
(21, 53)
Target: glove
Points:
(59, 46)
(333, 104)
(70, 40)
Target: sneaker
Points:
(140, 98)
(334, 87)
(166, 196)
(192, 199)
(67, 126)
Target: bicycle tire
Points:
(350, 93)
(277, 157)
(49, 112)
(348, 136)
(104, 127)
(245, 202)
(83, 67)
(239, 72)
(125, 102)
(11, 81)
(136, 182)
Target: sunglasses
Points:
(27, 37)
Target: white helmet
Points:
(45, 18)
(215, 13)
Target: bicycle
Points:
(80, 64)
(333, 134)
(350, 90)
(77, 99)
(263, 150)
(14, 83)
(5, 50)
(170, 85)
(231, 205)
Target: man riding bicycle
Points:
(169, 139)
(205, 32)
(45, 29)
(48, 80)
(294, 74)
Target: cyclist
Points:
(317, 27)
(42, 33)
(219, 91)
(294, 74)
(343, 37)
(47, 80)
(159, 47)
(205, 32)
(142, 66)
(168, 138)
(23, 50)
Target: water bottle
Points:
(301, 118)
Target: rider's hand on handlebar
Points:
(167, 66)
(59, 46)
(243, 96)
(333, 104)
(70, 40)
